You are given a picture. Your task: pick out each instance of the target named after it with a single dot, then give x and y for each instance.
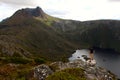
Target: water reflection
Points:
(78, 54)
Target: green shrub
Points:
(77, 72)
(39, 60)
(22, 78)
(16, 60)
(16, 55)
(68, 74)
(54, 67)
(61, 76)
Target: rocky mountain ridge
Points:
(42, 72)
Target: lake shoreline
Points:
(105, 58)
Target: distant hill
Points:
(99, 33)
(33, 33)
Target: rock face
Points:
(91, 72)
(36, 12)
(42, 71)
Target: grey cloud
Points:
(17, 2)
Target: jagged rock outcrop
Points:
(35, 12)
(90, 72)
(42, 71)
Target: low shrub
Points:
(16, 60)
(39, 60)
(61, 76)
(68, 74)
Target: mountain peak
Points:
(30, 12)
(36, 12)
(25, 14)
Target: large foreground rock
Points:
(91, 72)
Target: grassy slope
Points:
(38, 38)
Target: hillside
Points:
(33, 33)
(99, 33)
(27, 33)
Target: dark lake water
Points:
(105, 58)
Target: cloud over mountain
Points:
(67, 9)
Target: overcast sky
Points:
(68, 9)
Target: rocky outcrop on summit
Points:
(90, 72)
(37, 12)
(27, 12)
